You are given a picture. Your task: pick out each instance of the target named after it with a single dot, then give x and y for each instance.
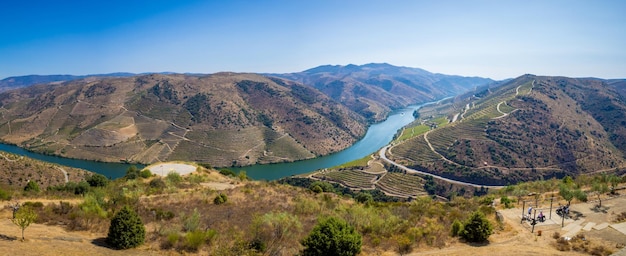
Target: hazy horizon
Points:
(470, 38)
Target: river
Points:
(377, 136)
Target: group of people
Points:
(540, 217)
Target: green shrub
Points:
(194, 240)
(457, 228)
(325, 186)
(364, 198)
(332, 236)
(126, 230)
(33, 204)
(317, 189)
(220, 199)
(506, 201)
(31, 186)
(132, 173)
(5, 195)
(145, 173)
(227, 172)
(191, 222)
(157, 183)
(97, 180)
(477, 228)
(174, 178)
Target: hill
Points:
(372, 90)
(527, 129)
(223, 119)
(181, 215)
(16, 82)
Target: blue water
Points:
(110, 170)
(377, 136)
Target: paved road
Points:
(383, 155)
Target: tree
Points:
(614, 180)
(23, 218)
(364, 198)
(126, 230)
(599, 188)
(132, 173)
(569, 192)
(477, 228)
(332, 236)
(32, 186)
(97, 180)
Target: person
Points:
(541, 217)
(530, 210)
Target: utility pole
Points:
(523, 209)
(551, 198)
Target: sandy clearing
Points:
(163, 169)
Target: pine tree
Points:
(126, 230)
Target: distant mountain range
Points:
(373, 90)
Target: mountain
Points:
(529, 128)
(223, 119)
(15, 82)
(373, 90)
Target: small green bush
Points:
(477, 228)
(5, 195)
(457, 228)
(145, 173)
(98, 180)
(227, 172)
(364, 198)
(506, 201)
(33, 204)
(332, 236)
(194, 240)
(132, 173)
(174, 178)
(220, 199)
(126, 230)
(191, 223)
(31, 186)
(325, 186)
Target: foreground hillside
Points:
(372, 90)
(207, 213)
(528, 129)
(223, 119)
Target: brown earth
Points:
(512, 238)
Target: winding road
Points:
(383, 155)
(383, 151)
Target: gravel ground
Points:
(163, 169)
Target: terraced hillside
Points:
(530, 128)
(223, 119)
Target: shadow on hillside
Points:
(478, 244)
(102, 242)
(7, 238)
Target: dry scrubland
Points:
(208, 213)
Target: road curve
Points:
(383, 155)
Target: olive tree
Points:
(23, 218)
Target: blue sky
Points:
(496, 39)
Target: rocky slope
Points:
(530, 128)
(222, 119)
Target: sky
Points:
(495, 39)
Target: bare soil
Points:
(511, 238)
